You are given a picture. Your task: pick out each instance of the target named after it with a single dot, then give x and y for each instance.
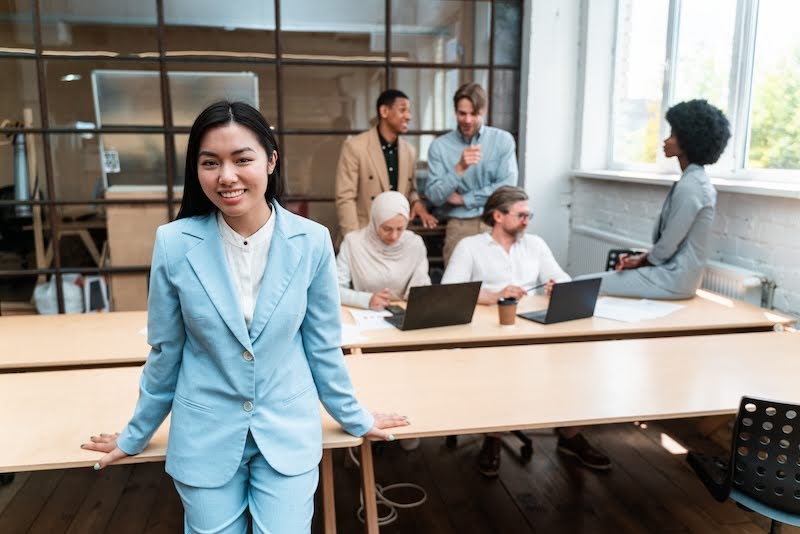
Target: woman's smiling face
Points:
(233, 169)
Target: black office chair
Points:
(613, 257)
(762, 473)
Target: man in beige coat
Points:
(376, 161)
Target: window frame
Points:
(734, 161)
(161, 60)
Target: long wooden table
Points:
(112, 339)
(706, 313)
(467, 391)
(45, 416)
(118, 338)
(449, 392)
(65, 340)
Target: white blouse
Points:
(348, 295)
(361, 299)
(247, 260)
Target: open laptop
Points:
(440, 305)
(568, 301)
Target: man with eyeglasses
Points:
(466, 165)
(510, 263)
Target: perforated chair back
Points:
(765, 457)
(613, 257)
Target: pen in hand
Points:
(534, 288)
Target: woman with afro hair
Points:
(673, 267)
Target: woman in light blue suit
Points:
(244, 324)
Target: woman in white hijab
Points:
(383, 260)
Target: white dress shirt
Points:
(247, 260)
(528, 263)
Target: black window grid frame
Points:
(169, 130)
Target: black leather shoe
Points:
(489, 457)
(578, 447)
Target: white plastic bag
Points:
(44, 296)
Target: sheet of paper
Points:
(659, 308)
(351, 334)
(616, 309)
(143, 331)
(631, 310)
(370, 320)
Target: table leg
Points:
(328, 502)
(90, 246)
(368, 489)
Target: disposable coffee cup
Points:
(507, 310)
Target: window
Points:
(704, 48)
(743, 57)
(774, 141)
(639, 80)
(100, 96)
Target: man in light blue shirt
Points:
(465, 166)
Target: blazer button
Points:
(247, 406)
(247, 356)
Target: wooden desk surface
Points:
(32, 341)
(707, 313)
(45, 416)
(542, 386)
(41, 341)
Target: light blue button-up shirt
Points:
(497, 167)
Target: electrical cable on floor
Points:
(380, 497)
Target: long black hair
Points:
(195, 201)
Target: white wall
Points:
(563, 125)
(751, 231)
(549, 82)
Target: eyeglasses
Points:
(522, 215)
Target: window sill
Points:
(747, 187)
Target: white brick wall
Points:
(757, 232)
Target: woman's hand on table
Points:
(106, 443)
(383, 421)
(380, 300)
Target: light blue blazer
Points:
(200, 365)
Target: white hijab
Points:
(375, 265)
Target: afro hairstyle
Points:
(702, 130)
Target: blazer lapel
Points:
(209, 264)
(284, 257)
(664, 215)
(377, 159)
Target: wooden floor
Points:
(648, 490)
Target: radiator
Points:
(588, 248)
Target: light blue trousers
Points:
(277, 503)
